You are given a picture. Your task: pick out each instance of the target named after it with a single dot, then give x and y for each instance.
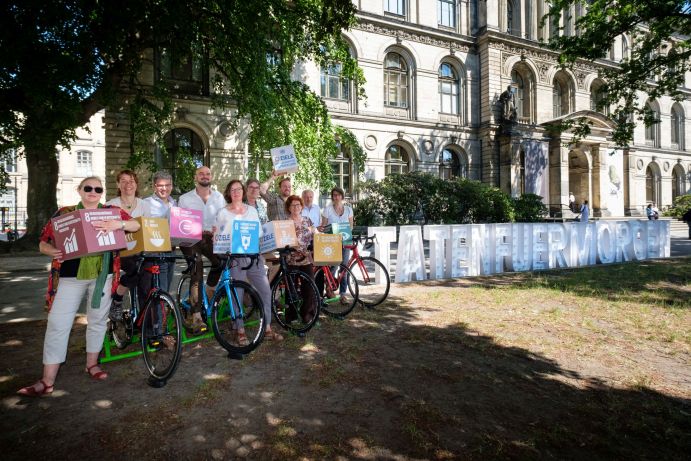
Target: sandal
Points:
(273, 336)
(198, 326)
(30, 391)
(97, 376)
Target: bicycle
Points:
(328, 284)
(372, 276)
(224, 320)
(159, 324)
(287, 289)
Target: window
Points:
(597, 96)
(333, 85)
(624, 48)
(395, 7)
(677, 181)
(652, 184)
(182, 155)
(509, 17)
(9, 161)
(651, 130)
(446, 13)
(187, 72)
(448, 89)
(677, 120)
(566, 14)
(342, 168)
(395, 81)
(396, 160)
(557, 96)
(519, 84)
(84, 163)
(453, 164)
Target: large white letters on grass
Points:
(461, 250)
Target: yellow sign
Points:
(328, 249)
(153, 236)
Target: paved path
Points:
(23, 282)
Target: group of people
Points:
(652, 212)
(99, 276)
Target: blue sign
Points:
(245, 237)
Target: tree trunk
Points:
(41, 203)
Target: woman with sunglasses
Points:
(93, 275)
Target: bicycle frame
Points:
(355, 256)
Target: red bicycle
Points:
(372, 277)
(328, 285)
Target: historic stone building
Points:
(437, 75)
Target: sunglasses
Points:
(98, 190)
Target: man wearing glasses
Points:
(159, 204)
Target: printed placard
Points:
(243, 239)
(345, 230)
(153, 236)
(278, 234)
(75, 236)
(185, 226)
(284, 159)
(328, 249)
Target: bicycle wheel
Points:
(122, 330)
(339, 306)
(290, 308)
(161, 336)
(373, 280)
(245, 300)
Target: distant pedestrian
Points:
(572, 202)
(585, 211)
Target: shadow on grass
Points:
(380, 385)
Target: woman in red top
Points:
(94, 275)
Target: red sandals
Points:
(30, 391)
(99, 375)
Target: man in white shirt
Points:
(209, 202)
(310, 210)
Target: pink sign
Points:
(75, 236)
(185, 226)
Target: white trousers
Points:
(64, 310)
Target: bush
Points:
(529, 208)
(413, 197)
(680, 206)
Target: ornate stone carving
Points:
(401, 35)
(370, 142)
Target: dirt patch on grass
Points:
(565, 364)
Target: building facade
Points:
(458, 89)
(85, 157)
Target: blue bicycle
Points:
(235, 309)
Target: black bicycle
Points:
(292, 293)
(159, 323)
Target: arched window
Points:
(624, 48)
(396, 161)
(678, 186)
(395, 81)
(181, 154)
(652, 184)
(333, 84)
(343, 170)
(651, 130)
(561, 94)
(448, 89)
(453, 164)
(519, 84)
(84, 163)
(677, 120)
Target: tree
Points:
(64, 60)
(658, 32)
